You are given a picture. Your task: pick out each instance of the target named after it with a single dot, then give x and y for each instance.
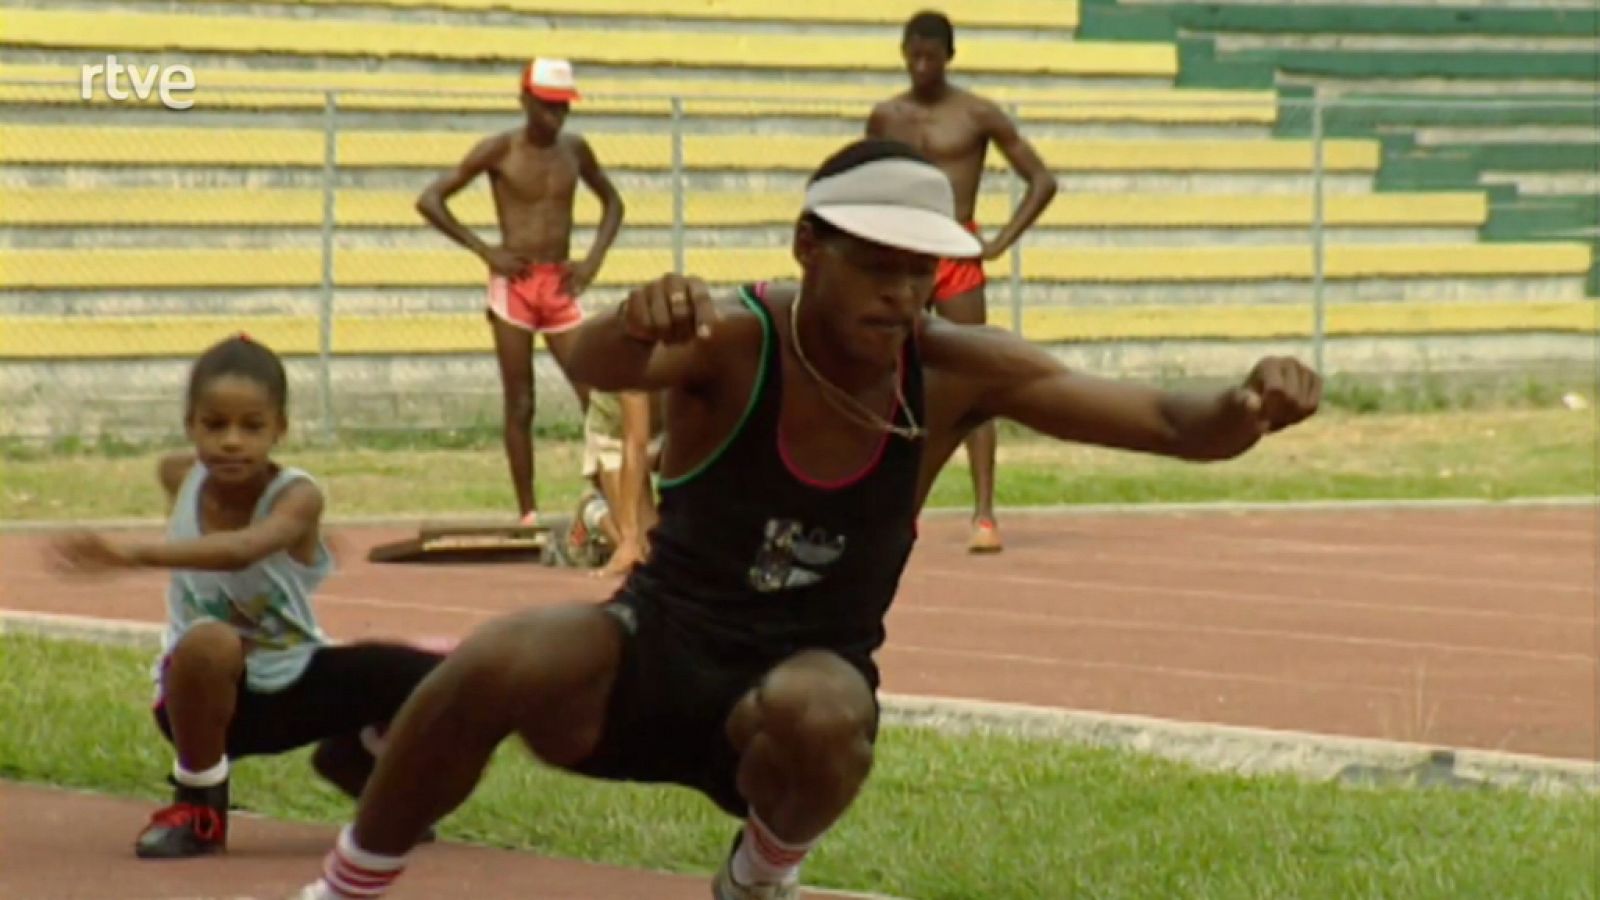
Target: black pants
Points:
(676, 685)
(342, 690)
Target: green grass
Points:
(1341, 454)
(943, 816)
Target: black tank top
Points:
(768, 560)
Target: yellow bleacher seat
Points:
(1133, 265)
(207, 268)
(394, 209)
(687, 44)
(1046, 14)
(129, 32)
(32, 144)
(60, 337)
(23, 144)
(436, 92)
(1062, 154)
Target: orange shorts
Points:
(958, 276)
(537, 301)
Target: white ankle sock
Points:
(764, 858)
(351, 872)
(211, 777)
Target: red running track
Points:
(1463, 627)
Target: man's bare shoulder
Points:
(500, 141)
(885, 118)
(492, 149)
(897, 102)
(965, 96)
(987, 114)
(964, 106)
(969, 350)
(738, 324)
(939, 341)
(968, 101)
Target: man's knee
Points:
(820, 709)
(519, 404)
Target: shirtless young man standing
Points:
(953, 128)
(533, 286)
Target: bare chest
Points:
(944, 136)
(531, 175)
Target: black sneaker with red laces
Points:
(196, 824)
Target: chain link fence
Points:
(1389, 234)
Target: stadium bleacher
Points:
(1174, 192)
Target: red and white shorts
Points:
(537, 301)
(958, 276)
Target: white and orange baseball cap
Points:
(550, 79)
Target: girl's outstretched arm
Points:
(297, 513)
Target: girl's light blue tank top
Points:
(268, 603)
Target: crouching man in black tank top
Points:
(804, 428)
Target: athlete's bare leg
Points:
(513, 348)
(971, 308)
(805, 738)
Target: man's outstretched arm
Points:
(1015, 380)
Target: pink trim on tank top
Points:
(848, 480)
(794, 468)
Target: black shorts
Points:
(676, 685)
(342, 690)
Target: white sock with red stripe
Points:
(204, 778)
(764, 858)
(351, 872)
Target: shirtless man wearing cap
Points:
(533, 286)
(954, 129)
(804, 426)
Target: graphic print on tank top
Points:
(793, 556)
(261, 616)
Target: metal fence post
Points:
(678, 187)
(330, 174)
(1318, 238)
(1015, 183)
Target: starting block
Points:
(458, 542)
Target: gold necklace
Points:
(850, 406)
